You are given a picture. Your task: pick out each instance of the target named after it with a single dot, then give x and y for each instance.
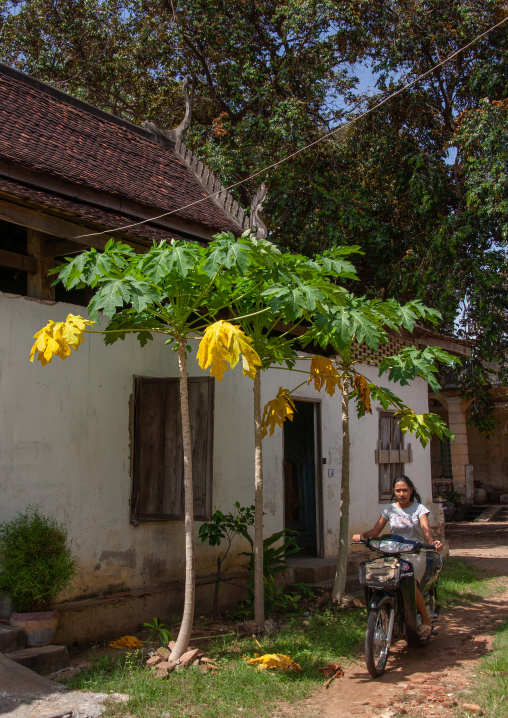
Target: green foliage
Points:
(236, 689)
(423, 426)
(411, 362)
(274, 561)
(274, 556)
(453, 498)
(227, 526)
(461, 583)
(36, 562)
(158, 631)
(490, 685)
(419, 184)
(352, 321)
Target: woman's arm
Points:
(427, 532)
(381, 523)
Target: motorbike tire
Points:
(377, 640)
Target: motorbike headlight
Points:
(393, 544)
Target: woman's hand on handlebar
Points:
(438, 545)
(358, 537)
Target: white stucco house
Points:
(94, 440)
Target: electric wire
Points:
(272, 166)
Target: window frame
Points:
(384, 495)
(137, 513)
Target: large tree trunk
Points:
(340, 577)
(259, 593)
(182, 642)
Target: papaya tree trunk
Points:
(182, 642)
(340, 577)
(259, 597)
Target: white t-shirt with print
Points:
(405, 522)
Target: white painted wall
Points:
(65, 444)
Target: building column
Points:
(457, 408)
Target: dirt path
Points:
(426, 682)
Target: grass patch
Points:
(491, 684)
(236, 689)
(461, 583)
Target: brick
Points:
(153, 660)
(189, 657)
(168, 665)
(164, 653)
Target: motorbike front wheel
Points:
(378, 639)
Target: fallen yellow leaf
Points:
(273, 660)
(127, 642)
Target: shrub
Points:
(36, 562)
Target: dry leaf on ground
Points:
(273, 660)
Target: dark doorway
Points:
(301, 444)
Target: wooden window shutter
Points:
(390, 453)
(157, 492)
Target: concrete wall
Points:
(65, 444)
(489, 457)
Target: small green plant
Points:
(36, 562)
(324, 636)
(158, 631)
(453, 498)
(497, 665)
(274, 561)
(226, 526)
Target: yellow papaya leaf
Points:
(57, 338)
(277, 411)
(361, 384)
(273, 660)
(221, 347)
(127, 642)
(324, 374)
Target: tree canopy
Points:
(418, 183)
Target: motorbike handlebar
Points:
(356, 543)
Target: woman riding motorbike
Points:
(408, 518)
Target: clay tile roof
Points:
(95, 218)
(52, 134)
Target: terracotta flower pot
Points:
(39, 627)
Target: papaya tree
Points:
(276, 296)
(176, 289)
(345, 327)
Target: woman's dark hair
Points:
(415, 496)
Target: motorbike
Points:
(390, 595)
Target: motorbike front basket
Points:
(380, 573)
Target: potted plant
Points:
(454, 509)
(36, 564)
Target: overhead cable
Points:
(302, 149)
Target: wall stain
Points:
(120, 558)
(154, 567)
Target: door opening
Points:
(301, 451)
